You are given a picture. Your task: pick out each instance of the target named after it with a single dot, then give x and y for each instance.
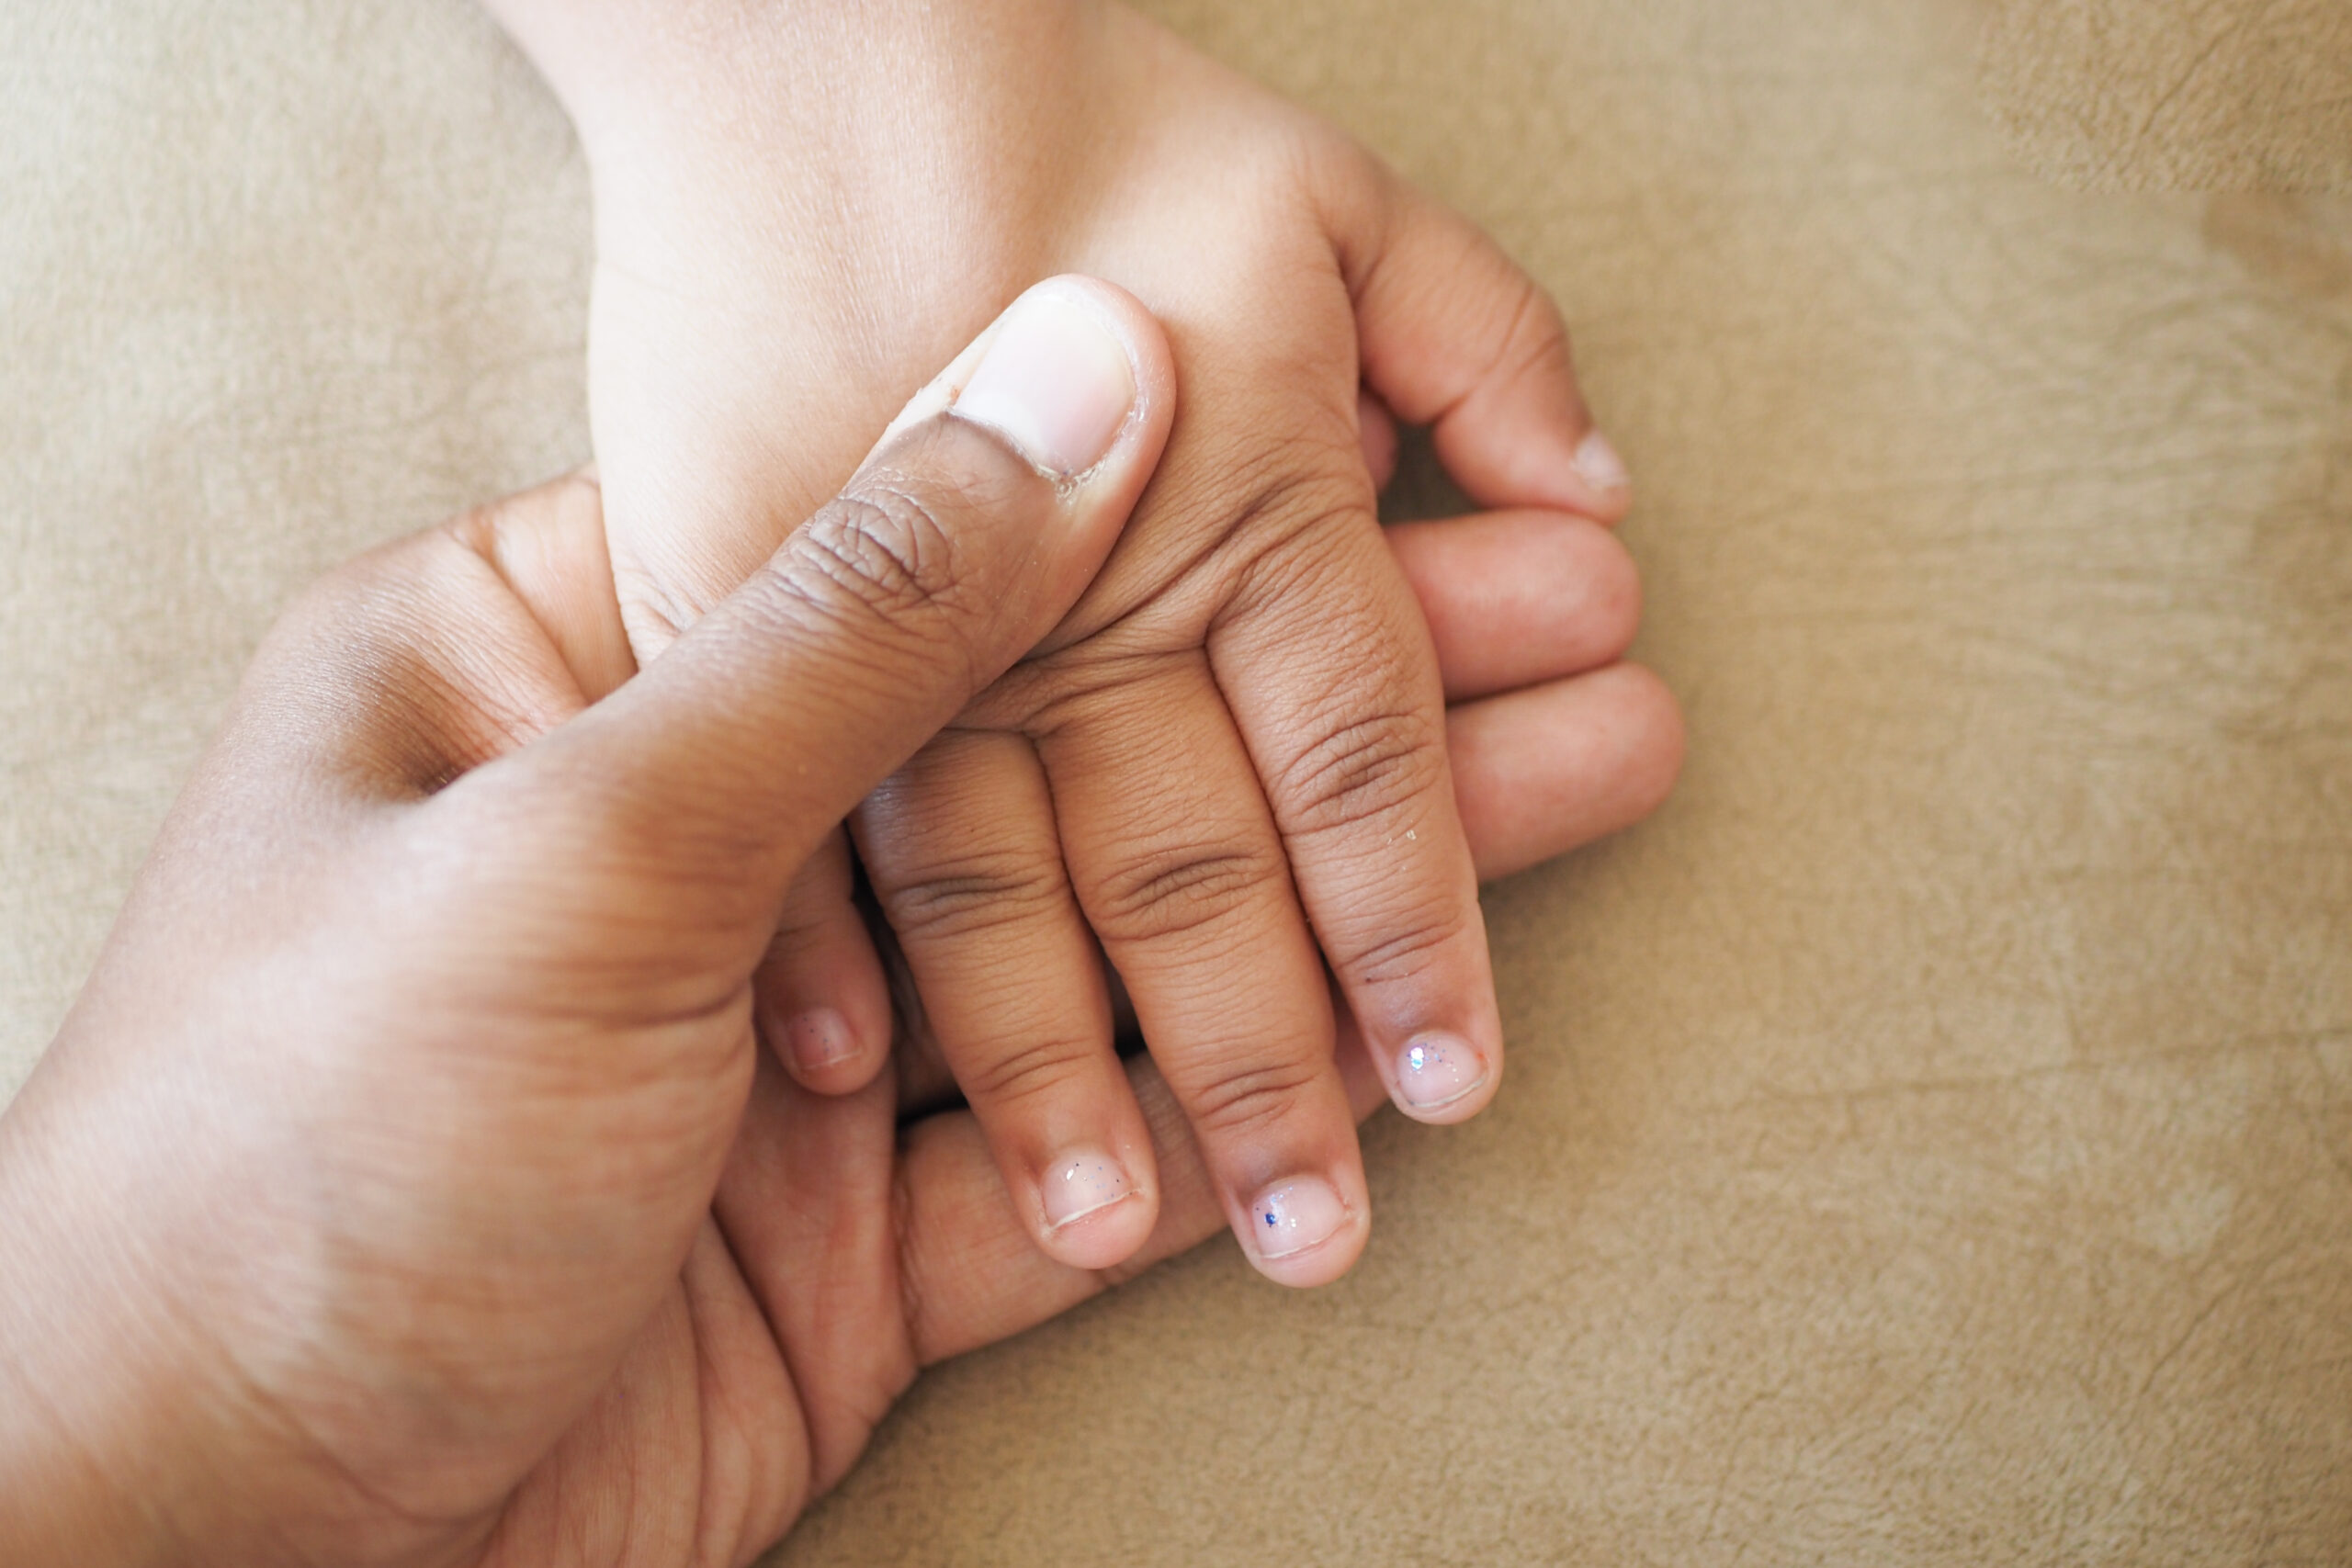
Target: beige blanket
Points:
(1929, 1141)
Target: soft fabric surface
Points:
(1929, 1141)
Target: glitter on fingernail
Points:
(1082, 1184)
(1298, 1214)
(1434, 1072)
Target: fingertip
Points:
(1607, 482)
(1096, 1210)
(825, 1053)
(1661, 739)
(1440, 1079)
(1519, 597)
(821, 998)
(1549, 768)
(1306, 1230)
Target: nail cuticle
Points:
(1087, 1213)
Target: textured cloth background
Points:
(1929, 1141)
(2175, 95)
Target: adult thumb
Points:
(969, 531)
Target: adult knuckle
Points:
(615, 824)
(362, 606)
(887, 550)
(622, 827)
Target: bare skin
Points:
(408, 1186)
(1228, 768)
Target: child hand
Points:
(1227, 766)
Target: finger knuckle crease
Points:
(976, 895)
(1027, 1073)
(1293, 487)
(1361, 770)
(1403, 954)
(1171, 895)
(1536, 340)
(887, 550)
(1251, 1100)
(914, 1316)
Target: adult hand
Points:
(368, 1207)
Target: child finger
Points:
(965, 858)
(823, 1004)
(1181, 874)
(1456, 337)
(1330, 675)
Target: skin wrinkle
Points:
(1271, 350)
(901, 529)
(1043, 697)
(907, 1274)
(1230, 1098)
(1035, 1068)
(1374, 767)
(1176, 891)
(492, 818)
(796, 1498)
(1399, 958)
(1198, 586)
(971, 894)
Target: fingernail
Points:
(1055, 382)
(1294, 1215)
(819, 1038)
(1599, 463)
(1438, 1069)
(1082, 1182)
